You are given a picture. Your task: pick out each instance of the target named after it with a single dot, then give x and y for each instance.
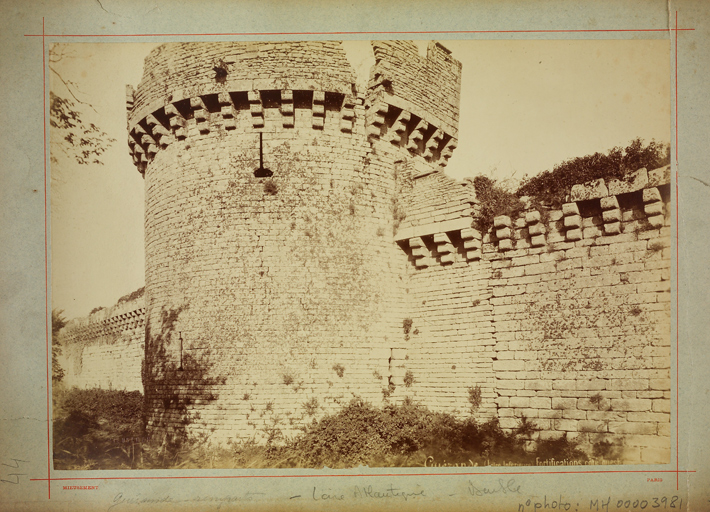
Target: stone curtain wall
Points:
(564, 320)
(106, 349)
(582, 323)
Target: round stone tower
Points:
(275, 290)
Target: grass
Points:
(596, 399)
(655, 246)
(98, 429)
(311, 406)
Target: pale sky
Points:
(525, 106)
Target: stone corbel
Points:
(347, 114)
(504, 232)
(471, 243)
(444, 248)
(536, 229)
(420, 253)
(572, 222)
(228, 111)
(176, 121)
(287, 110)
(256, 108)
(201, 114)
(611, 215)
(653, 207)
(318, 109)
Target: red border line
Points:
(46, 256)
(370, 33)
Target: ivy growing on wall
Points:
(58, 322)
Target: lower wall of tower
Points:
(275, 296)
(263, 406)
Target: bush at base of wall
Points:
(100, 429)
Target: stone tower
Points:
(275, 289)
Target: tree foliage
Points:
(552, 187)
(132, 296)
(85, 142)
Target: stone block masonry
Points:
(353, 268)
(105, 350)
(558, 317)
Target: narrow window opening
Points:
(262, 172)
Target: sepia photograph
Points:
(387, 253)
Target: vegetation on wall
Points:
(550, 189)
(409, 379)
(58, 322)
(339, 369)
(270, 187)
(131, 296)
(475, 397)
(495, 199)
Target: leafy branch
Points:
(85, 142)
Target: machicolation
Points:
(354, 269)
